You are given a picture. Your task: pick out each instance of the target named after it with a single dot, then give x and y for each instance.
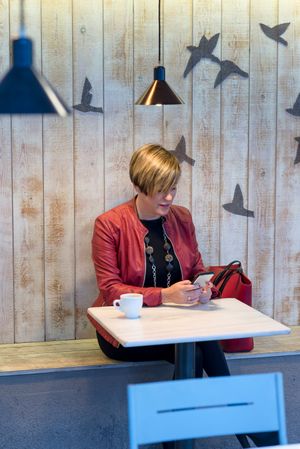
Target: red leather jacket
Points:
(118, 253)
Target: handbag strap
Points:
(228, 269)
(227, 277)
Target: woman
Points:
(148, 246)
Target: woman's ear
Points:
(137, 189)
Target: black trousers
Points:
(209, 355)
(209, 358)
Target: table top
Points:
(220, 319)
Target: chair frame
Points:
(200, 408)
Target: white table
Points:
(220, 319)
(183, 325)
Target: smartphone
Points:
(202, 278)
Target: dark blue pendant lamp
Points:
(23, 90)
(159, 93)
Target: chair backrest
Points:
(199, 408)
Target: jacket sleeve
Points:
(197, 266)
(105, 244)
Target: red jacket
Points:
(118, 252)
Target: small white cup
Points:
(130, 304)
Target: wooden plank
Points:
(45, 347)
(28, 229)
(234, 129)
(56, 361)
(147, 119)
(287, 235)
(6, 239)
(88, 149)
(58, 172)
(28, 200)
(118, 99)
(206, 134)
(55, 355)
(262, 155)
(177, 33)
(273, 345)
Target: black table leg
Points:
(185, 369)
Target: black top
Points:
(156, 240)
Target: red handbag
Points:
(232, 282)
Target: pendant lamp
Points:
(23, 90)
(159, 93)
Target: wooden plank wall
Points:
(206, 129)
(27, 201)
(57, 175)
(262, 154)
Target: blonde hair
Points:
(154, 169)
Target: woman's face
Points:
(154, 206)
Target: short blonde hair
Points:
(154, 169)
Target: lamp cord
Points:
(159, 32)
(22, 19)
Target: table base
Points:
(184, 369)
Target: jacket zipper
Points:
(145, 262)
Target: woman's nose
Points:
(169, 196)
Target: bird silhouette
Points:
(204, 50)
(295, 110)
(86, 99)
(275, 32)
(227, 68)
(180, 152)
(297, 158)
(237, 205)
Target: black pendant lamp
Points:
(23, 90)
(159, 93)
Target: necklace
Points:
(168, 257)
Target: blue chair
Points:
(200, 408)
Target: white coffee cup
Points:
(130, 304)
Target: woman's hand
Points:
(183, 292)
(205, 293)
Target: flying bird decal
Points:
(204, 50)
(275, 32)
(237, 205)
(297, 158)
(180, 152)
(295, 110)
(228, 68)
(86, 99)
